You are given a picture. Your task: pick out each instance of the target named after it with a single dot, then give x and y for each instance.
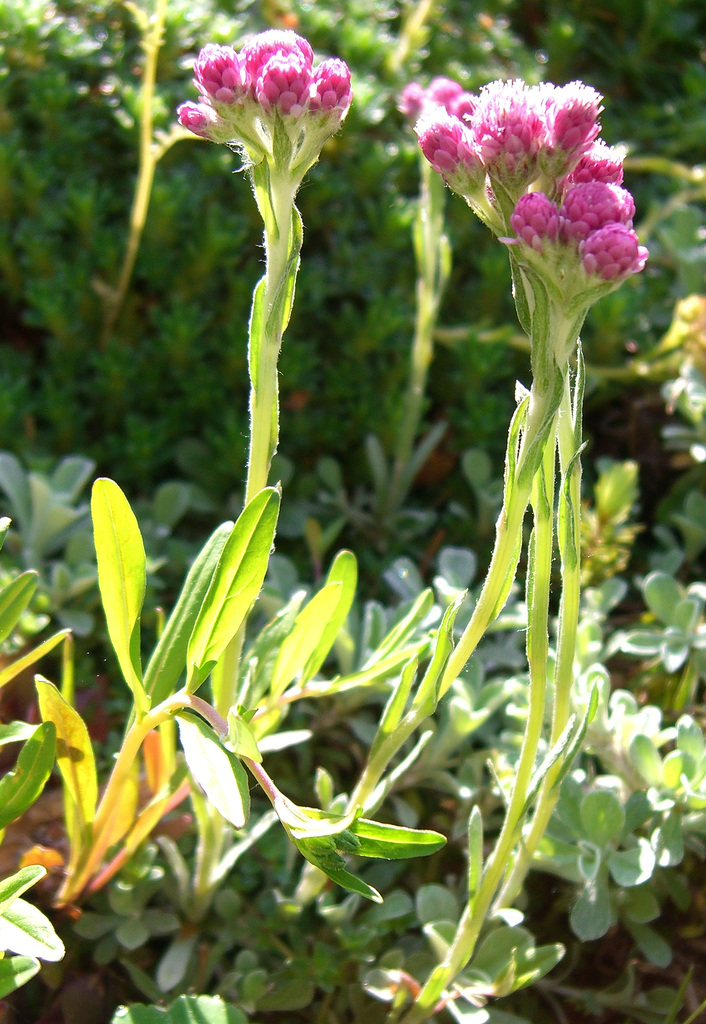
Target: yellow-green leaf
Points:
(74, 756)
(120, 554)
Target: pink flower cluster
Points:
(272, 76)
(594, 224)
(500, 148)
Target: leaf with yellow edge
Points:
(74, 756)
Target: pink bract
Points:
(219, 74)
(265, 45)
(284, 82)
(331, 86)
(447, 144)
(591, 206)
(198, 118)
(613, 252)
(572, 118)
(510, 130)
(600, 163)
(535, 219)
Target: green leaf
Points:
(16, 732)
(316, 626)
(592, 914)
(74, 755)
(169, 658)
(435, 902)
(633, 867)
(475, 851)
(602, 817)
(20, 788)
(25, 930)
(394, 709)
(322, 853)
(427, 696)
(241, 739)
(120, 554)
(235, 585)
(184, 1010)
(32, 657)
(14, 598)
(219, 773)
(656, 949)
(15, 885)
(662, 594)
(16, 971)
(645, 756)
(393, 842)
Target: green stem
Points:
(570, 547)
(148, 157)
(433, 256)
(538, 585)
(271, 310)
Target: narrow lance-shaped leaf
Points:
(219, 773)
(235, 585)
(169, 658)
(427, 696)
(31, 658)
(74, 755)
(14, 598)
(316, 626)
(393, 842)
(13, 886)
(394, 709)
(120, 554)
(21, 787)
(475, 852)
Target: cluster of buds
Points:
(528, 159)
(266, 94)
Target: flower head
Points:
(510, 132)
(198, 118)
(449, 147)
(588, 207)
(331, 87)
(572, 113)
(219, 74)
(535, 220)
(600, 163)
(283, 83)
(273, 43)
(269, 90)
(613, 253)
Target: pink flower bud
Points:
(510, 131)
(331, 87)
(588, 207)
(219, 74)
(463, 106)
(613, 252)
(443, 92)
(449, 147)
(411, 101)
(535, 219)
(198, 118)
(265, 45)
(572, 117)
(284, 82)
(600, 163)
